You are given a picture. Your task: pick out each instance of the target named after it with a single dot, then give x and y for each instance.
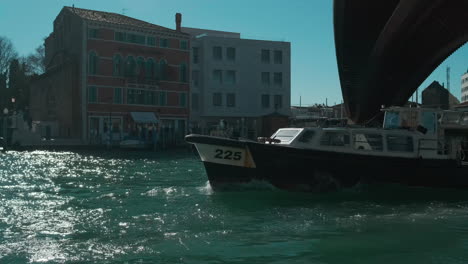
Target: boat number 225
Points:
(227, 154)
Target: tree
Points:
(36, 61)
(7, 54)
(3, 91)
(18, 85)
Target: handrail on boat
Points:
(454, 118)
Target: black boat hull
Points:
(314, 170)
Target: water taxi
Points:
(415, 146)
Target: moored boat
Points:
(415, 146)
(134, 144)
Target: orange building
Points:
(110, 76)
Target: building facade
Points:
(237, 81)
(437, 96)
(106, 73)
(464, 87)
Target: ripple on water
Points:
(98, 207)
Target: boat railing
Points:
(462, 151)
(454, 119)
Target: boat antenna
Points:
(341, 109)
(417, 96)
(448, 78)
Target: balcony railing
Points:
(141, 82)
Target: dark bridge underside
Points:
(387, 48)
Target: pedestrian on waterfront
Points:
(155, 136)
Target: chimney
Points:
(178, 21)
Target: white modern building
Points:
(464, 87)
(237, 80)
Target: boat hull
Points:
(314, 170)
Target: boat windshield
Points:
(392, 120)
(307, 136)
(335, 138)
(286, 135)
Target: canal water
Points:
(136, 207)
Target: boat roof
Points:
(362, 130)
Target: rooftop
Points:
(115, 18)
(200, 32)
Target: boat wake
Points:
(254, 185)
(207, 190)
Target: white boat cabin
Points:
(406, 132)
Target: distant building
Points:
(241, 81)
(464, 87)
(318, 115)
(464, 93)
(4, 92)
(436, 96)
(339, 111)
(110, 76)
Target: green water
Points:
(131, 207)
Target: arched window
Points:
(117, 61)
(183, 72)
(93, 63)
(130, 66)
(140, 66)
(163, 69)
(149, 68)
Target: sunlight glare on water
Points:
(143, 207)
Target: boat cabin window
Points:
(286, 135)
(363, 141)
(334, 138)
(409, 119)
(464, 120)
(429, 121)
(392, 120)
(400, 143)
(451, 118)
(307, 136)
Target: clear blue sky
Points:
(307, 24)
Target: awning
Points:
(144, 117)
